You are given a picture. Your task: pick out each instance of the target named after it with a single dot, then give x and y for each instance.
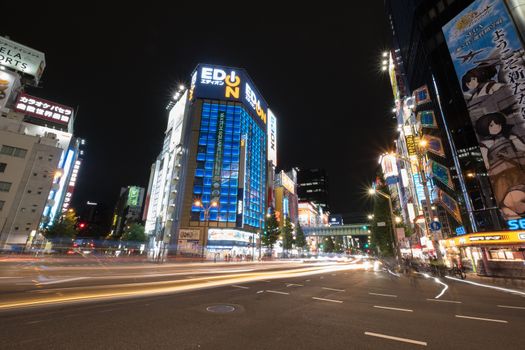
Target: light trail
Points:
(109, 292)
(487, 286)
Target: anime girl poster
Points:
(488, 58)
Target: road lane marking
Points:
(307, 280)
(242, 287)
(277, 292)
(444, 289)
(260, 291)
(294, 285)
(384, 295)
(33, 322)
(404, 340)
(512, 307)
(393, 308)
(322, 277)
(445, 301)
(330, 300)
(334, 274)
(482, 319)
(335, 290)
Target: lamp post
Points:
(213, 204)
(393, 218)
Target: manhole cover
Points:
(220, 308)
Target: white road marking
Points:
(260, 291)
(384, 295)
(512, 307)
(294, 285)
(33, 322)
(482, 319)
(444, 289)
(404, 340)
(277, 292)
(242, 287)
(307, 280)
(445, 301)
(393, 308)
(335, 290)
(334, 274)
(330, 300)
(322, 277)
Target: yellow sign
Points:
(503, 237)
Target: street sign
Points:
(435, 226)
(382, 223)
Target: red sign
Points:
(43, 109)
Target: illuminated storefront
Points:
(492, 253)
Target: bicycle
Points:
(457, 272)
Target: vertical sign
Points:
(272, 138)
(219, 148)
(488, 58)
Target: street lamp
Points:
(213, 204)
(373, 191)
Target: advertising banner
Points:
(189, 234)
(21, 58)
(219, 150)
(43, 109)
(7, 84)
(228, 83)
(133, 196)
(422, 95)
(411, 145)
(434, 145)
(450, 205)
(441, 173)
(227, 237)
(272, 138)
(389, 165)
(427, 119)
(488, 58)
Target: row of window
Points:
(5, 186)
(13, 151)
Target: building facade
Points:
(313, 187)
(128, 209)
(38, 155)
(208, 190)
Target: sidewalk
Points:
(504, 282)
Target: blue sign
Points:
(228, 83)
(435, 226)
(516, 224)
(335, 220)
(461, 230)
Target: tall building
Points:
(286, 200)
(38, 153)
(208, 189)
(313, 187)
(128, 209)
(458, 73)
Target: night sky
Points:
(318, 70)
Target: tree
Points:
(339, 244)
(271, 232)
(63, 229)
(287, 232)
(328, 246)
(134, 233)
(300, 239)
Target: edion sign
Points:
(43, 109)
(272, 138)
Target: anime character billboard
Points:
(488, 58)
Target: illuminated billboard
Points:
(43, 109)
(227, 237)
(487, 54)
(133, 196)
(272, 138)
(8, 83)
(228, 83)
(21, 58)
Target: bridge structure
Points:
(343, 230)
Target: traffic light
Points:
(366, 245)
(82, 225)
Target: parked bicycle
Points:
(455, 271)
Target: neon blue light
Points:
(69, 160)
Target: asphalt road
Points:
(341, 309)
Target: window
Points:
(7, 150)
(13, 151)
(5, 186)
(2, 205)
(2, 167)
(20, 152)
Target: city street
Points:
(290, 305)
